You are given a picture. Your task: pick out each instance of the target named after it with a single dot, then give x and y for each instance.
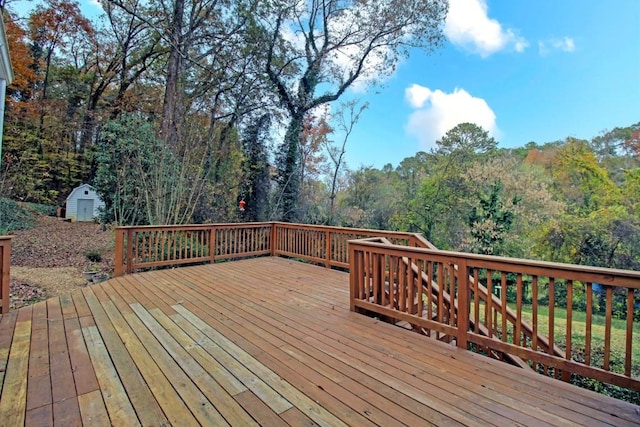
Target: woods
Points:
(177, 110)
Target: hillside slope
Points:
(49, 258)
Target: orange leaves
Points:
(314, 134)
(633, 143)
(23, 74)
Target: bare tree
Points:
(333, 45)
(346, 118)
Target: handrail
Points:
(5, 277)
(142, 247)
(510, 315)
(376, 267)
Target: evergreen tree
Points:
(255, 189)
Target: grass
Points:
(578, 331)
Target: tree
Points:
(441, 205)
(491, 221)
(347, 116)
(632, 143)
(255, 189)
(611, 143)
(140, 181)
(371, 198)
(206, 59)
(528, 183)
(58, 25)
(583, 183)
(333, 45)
(123, 49)
(46, 101)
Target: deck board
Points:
(264, 341)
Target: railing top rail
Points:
(283, 224)
(606, 276)
(367, 231)
(194, 226)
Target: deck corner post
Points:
(5, 277)
(353, 276)
(463, 305)
(118, 267)
(273, 239)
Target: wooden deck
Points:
(264, 341)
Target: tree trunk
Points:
(289, 169)
(169, 127)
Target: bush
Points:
(13, 217)
(48, 210)
(94, 255)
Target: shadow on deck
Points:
(263, 341)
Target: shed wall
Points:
(84, 191)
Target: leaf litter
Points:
(48, 259)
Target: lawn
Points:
(578, 330)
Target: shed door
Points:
(85, 209)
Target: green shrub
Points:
(94, 255)
(13, 217)
(39, 208)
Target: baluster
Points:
(503, 310)
(429, 292)
(629, 334)
(607, 327)
(476, 301)
(588, 324)
(420, 291)
(518, 339)
(488, 312)
(566, 375)
(534, 315)
(552, 304)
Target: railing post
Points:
(272, 239)
(5, 277)
(118, 267)
(212, 244)
(353, 277)
(327, 262)
(463, 305)
(129, 259)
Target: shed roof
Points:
(79, 188)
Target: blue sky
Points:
(524, 70)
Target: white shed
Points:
(83, 204)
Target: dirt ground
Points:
(48, 260)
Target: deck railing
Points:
(506, 308)
(5, 264)
(142, 247)
(542, 313)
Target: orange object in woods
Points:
(242, 203)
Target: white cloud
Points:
(417, 95)
(438, 112)
(564, 44)
(469, 26)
